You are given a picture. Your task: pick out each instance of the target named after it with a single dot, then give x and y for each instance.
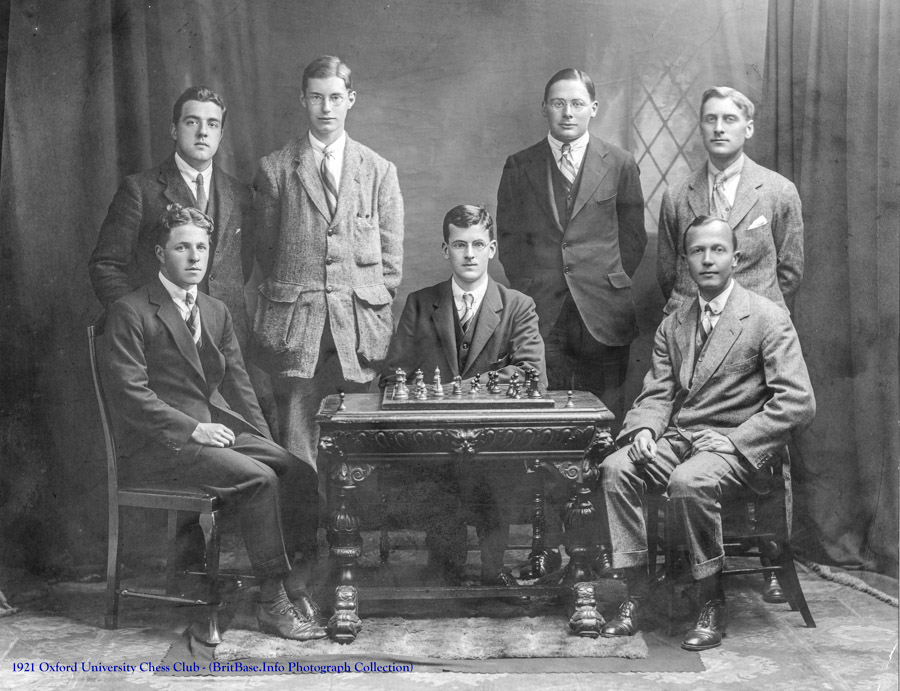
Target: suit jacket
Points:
(506, 337)
(767, 219)
(158, 389)
(750, 383)
(594, 256)
(346, 268)
(124, 257)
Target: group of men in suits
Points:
(322, 244)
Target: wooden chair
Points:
(764, 534)
(166, 497)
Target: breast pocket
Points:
(742, 365)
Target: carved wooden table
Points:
(359, 436)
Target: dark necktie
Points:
(193, 319)
(202, 199)
(468, 312)
(329, 182)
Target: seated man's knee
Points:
(617, 468)
(686, 483)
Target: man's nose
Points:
(707, 257)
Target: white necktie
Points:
(202, 199)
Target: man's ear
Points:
(734, 260)
(160, 253)
(173, 132)
(446, 249)
(749, 131)
(492, 249)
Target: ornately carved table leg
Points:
(539, 558)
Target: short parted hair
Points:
(575, 75)
(324, 67)
(197, 93)
(741, 101)
(176, 216)
(705, 221)
(466, 216)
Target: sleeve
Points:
(630, 213)
(137, 406)
(390, 219)
(239, 380)
(787, 234)
(507, 221)
(402, 351)
(667, 247)
(526, 347)
(653, 407)
(791, 402)
(248, 236)
(116, 244)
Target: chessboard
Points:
(476, 394)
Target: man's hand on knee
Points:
(710, 440)
(643, 448)
(212, 434)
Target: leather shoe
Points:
(306, 607)
(710, 628)
(625, 621)
(287, 623)
(772, 591)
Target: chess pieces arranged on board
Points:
(438, 388)
(457, 386)
(531, 384)
(401, 393)
(475, 385)
(493, 385)
(513, 390)
(419, 391)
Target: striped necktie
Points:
(721, 208)
(193, 319)
(468, 312)
(706, 324)
(329, 181)
(567, 164)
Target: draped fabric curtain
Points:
(829, 122)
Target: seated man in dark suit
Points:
(727, 386)
(171, 352)
(465, 326)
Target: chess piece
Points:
(341, 407)
(493, 386)
(533, 390)
(569, 403)
(420, 393)
(475, 385)
(457, 386)
(401, 393)
(438, 387)
(513, 389)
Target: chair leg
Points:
(790, 583)
(171, 535)
(114, 545)
(208, 524)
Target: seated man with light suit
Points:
(466, 326)
(172, 354)
(726, 388)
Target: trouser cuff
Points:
(627, 560)
(708, 568)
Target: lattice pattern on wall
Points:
(666, 142)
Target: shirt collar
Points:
(177, 293)
(717, 304)
(335, 147)
(477, 292)
(732, 170)
(577, 145)
(190, 172)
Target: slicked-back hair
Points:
(741, 101)
(325, 67)
(176, 216)
(575, 75)
(197, 93)
(466, 216)
(705, 221)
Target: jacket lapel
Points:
(538, 171)
(350, 173)
(722, 337)
(746, 195)
(224, 198)
(594, 169)
(686, 340)
(309, 176)
(175, 189)
(488, 319)
(698, 192)
(444, 325)
(170, 316)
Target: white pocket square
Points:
(761, 221)
(237, 231)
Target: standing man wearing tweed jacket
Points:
(330, 246)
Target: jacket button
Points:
(566, 245)
(328, 289)
(567, 270)
(329, 261)
(331, 231)
(465, 346)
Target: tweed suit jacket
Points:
(506, 337)
(346, 268)
(158, 389)
(594, 256)
(767, 219)
(750, 383)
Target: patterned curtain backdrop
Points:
(446, 90)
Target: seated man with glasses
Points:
(466, 326)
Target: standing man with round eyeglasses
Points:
(330, 246)
(570, 220)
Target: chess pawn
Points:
(401, 393)
(533, 390)
(438, 387)
(493, 386)
(457, 386)
(513, 390)
(475, 385)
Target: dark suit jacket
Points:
(594, 257)
(158, 389)
(750, 383)
(506, 337)
(767, 220)
(124, 258)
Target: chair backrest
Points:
(94, 334)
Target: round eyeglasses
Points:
(576, 105)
